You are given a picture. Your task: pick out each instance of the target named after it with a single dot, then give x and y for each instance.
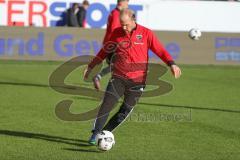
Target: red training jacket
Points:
(130, 58)
(112, 24)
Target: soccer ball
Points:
(195, 34)
(105, 140)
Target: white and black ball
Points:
(195, 34)
(105, 140)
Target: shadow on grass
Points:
(172, 106)
(39, 85)
(56, 139)
(191, 107)
(23, 84)
(34, 85)
(82, 150)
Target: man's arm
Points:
(69, 18)
(81, 16)
(102, 54)
(113, 23)
(73, 22)
(95, 61)
(160, 51)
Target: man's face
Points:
(127, 24)
(124, 4)
(75, 6)
(85, 6)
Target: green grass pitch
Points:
(206, 98)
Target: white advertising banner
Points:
(210, 16)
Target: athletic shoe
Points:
(92, 139)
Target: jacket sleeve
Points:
(107, 49)
(111, 26)
(98, 59)
(81, 17)
(72, 19)
(156, 46)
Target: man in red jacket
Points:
(113, 19)
(130, 44)
(112, 24)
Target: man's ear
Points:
(134, 17)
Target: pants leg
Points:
(131, 97)
(105, 71)
(114, 91)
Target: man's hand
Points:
(96, 82)
(86, 73)
(176, 71)
(96, 79)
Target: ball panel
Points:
(105, 140)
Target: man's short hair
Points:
(85, 2)
(118, 1)
(130, 13)
(75, 4)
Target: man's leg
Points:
(114, 91)
(131, 97)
